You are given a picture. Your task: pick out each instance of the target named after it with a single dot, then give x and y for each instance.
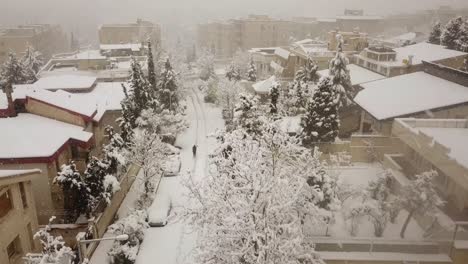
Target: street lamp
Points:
(80, 241)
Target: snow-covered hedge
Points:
(134, 225)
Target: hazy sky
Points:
(186, 11)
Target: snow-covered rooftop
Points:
(86, 55)
(106, 96)
(384, 256)
(358, 74)
(128, 46)
(408, 94)
(263, 87)
(283, 53)
(31, 136)
(65, 100)
(13, 173)
(359, 17)
(290, 124)
(66, 81)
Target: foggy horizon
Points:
(82, 14)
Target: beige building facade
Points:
(48, 39)
(18, 220)
(135, 33)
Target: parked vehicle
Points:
(159, 211)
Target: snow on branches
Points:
(321, 122)
(53, 248)
(252, 207)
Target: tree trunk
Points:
(11, 105)
(405, 225)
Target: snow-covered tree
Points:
(419, 197)
(251, 209)
(151, 70)
(241, 60)
(308, 73)
(297, 95)
(339, 74)
(462, 41)
(54, 250)
(94, 174)
(12, 72)
(232, 73)
(165, 123)
(168, 94)
(321, 122)
(228, 94)
(134, 225)
(274, 95)
(452, 32)
(114, 151)
(247, 116)
(32, 63)
(435, 34)
(148, 153)
(205, 65)
(75, 192)
(252, 71)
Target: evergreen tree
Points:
(462, 41)
(32, 63)
(434, 37)
(252, 71)
(321, 122)
(308, 73)
(168, 88)
(339, 74)
(247, 117)
(114, 151)
(151, 69)
(76, 193)
(233, 73)
(452, 32)
(274, 95)
(94, 177)
(137, 98)
(127, 122)
(12, 73)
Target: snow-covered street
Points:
(172, 244)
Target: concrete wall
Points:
(45, 110)
(19, 222)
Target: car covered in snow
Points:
(159, 211)
(172, 165)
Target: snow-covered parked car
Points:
(159, 211)
(172, 165)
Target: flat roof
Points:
(66, 80)
(33, 136)
(359, 75)
(408, 94)
(127, 46)
(359, 17)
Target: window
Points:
(24, 198)
(14, 248)
(5, 203)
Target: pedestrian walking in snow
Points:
(194, 150)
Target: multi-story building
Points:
(408, 59)
(48, 39)
(256, 31)
(18, 220)
(357, 20)
(132, 33)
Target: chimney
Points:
(410, 60)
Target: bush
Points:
(134, 225)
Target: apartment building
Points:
(48, 39)
(256, 31)
(393, 62)
(18, 220)
(132, 33)
(61, 117)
